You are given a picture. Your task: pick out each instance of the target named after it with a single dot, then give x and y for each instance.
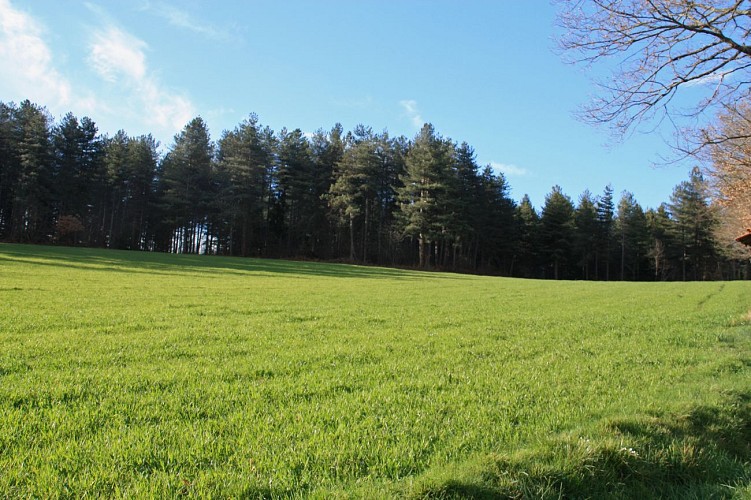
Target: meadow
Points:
(127, 374)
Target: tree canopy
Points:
(357, 196)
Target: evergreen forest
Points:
(358, 196)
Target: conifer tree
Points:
(33, 194)
(557, 231)
(187, 171)
(354, 191)
(244, 165)
(633, 237)
(585, 241)
(80, 176)
(9, 166)
(424, 185)
(661, 251)
(605, 215)
(297, 203)
(694, 224)
(529, 241)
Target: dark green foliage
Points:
(131, 211)
(633, 237)
(81, 179)
(587, 232)
(557, 232)
(188, 188)
(663, 251)
(360, 195)
(298, 202)
(9, 167)
(245, 171)
(694, 221)
(604, 249)
(528, 243)
(423, 195)
(493, 223)
(32, 213)
(353, 196)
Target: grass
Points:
(128, 374)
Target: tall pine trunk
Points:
(352, 237)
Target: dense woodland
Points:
(357, 196)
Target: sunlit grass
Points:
(135, 374)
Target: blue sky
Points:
(484, 72)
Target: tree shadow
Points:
(129, 261)
(705, 453)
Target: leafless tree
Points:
(662, 47)
(728, 160)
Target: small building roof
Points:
(745, 239)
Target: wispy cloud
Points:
(181, 18)
(413, 113)
(26, 60)
(712, 79)
(120, 59)
(115, 54)
(509, 170)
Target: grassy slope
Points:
(146, 374)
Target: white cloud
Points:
(509, 170)
(115, 53)
(413, 113)
(712, 79)
(119, 58)
(26, 60)
(182, 19)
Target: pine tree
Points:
(473, 196)
(137, 220)
(187, 171)
(529, 241)
(354, 192)
(585, 240)
(115, 152)
(33, 196)
(297, 203)
(9, 166)
(557, 231)
(494, 222)
(605, 216)
(694, 223)
(80, 176)
(244, 163)
(662, 247)
(631, 227)
(391, 153)
(424, 184)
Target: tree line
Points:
(359, 196)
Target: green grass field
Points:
(148, 375)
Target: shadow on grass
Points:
(171, 264)
(703, 454)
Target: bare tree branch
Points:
(663, 47)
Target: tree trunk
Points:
(555, 268)
(352, 237)
(365, 232)
(421, 251)
(623, 255)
